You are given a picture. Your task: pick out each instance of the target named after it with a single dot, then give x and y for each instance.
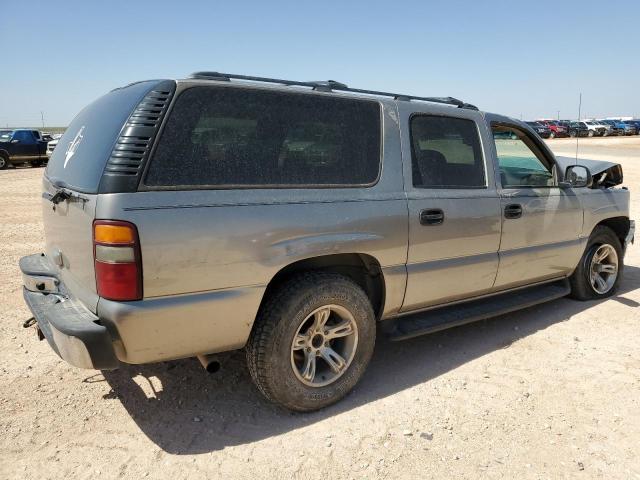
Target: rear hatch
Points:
(77, 165)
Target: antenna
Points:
(578, 132)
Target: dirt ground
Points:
(549, 392)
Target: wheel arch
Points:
(619, 225)
(363, 269)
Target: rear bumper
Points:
(144, 331)
(70, 328)
(71, 331)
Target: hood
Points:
(605, 174)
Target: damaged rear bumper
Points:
(70, 328)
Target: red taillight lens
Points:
(118, 266)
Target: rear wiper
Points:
(61, 195)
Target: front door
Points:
(541, 222)
(454, 211)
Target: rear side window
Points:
(446, 153)
(226, 137)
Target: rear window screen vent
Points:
(135, 140)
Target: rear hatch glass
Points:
(78, 161)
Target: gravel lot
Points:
(549, 392)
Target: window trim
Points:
(143, 187)
(448, 187)
(552, 163)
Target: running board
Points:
(430, 321)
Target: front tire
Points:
(312, 341)
(4, 161)
(600, 269)
(590, 134)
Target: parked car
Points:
(580, 129)
(595, 128)
(241, 213)
(541, 129)
(22, 147)
(557, 129)
(635, 126)
(608, 129)
(51, 146)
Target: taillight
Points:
(116, 253)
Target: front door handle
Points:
(431, 216)
(513, 211)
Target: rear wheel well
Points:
(619, 225)
(362, 269)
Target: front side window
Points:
(228, 137)
(446, 153)
(520, 161)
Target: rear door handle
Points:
(431, 216)
(513, 210)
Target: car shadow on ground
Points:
(184, 410)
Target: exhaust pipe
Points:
(211, 363)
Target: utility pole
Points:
(42, 117)
(558, 115)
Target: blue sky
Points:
(518, 58)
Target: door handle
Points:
(431, 216)
(513, 211)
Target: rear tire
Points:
(4, 161)
(590, 134)
(312, 341)
(600, 269)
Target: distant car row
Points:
(585, 128)
(25, 146)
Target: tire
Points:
(582, 286)
(277, 363)
(590, 134)
(4, 161)
(572, 134)
(552, 136)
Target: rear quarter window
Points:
(226, 137)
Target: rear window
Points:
(82, 153)
(446, 153)
(224, 137)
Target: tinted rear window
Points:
(82, 153)
(224, 137)
(446, 153)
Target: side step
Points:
(441, 318)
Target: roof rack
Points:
(329, 86)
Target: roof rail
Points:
(329, 86)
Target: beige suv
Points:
(295, 219)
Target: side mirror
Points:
(577, 176)
(15, 141)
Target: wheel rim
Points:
(324, 345)
(604, 268)
(3, 162)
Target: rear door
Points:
(541, 223)
(26, 146)
(454, 211)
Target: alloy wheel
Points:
(324, 345)
(604, 269)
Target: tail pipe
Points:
(211, 363)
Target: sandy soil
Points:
(550, 392)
